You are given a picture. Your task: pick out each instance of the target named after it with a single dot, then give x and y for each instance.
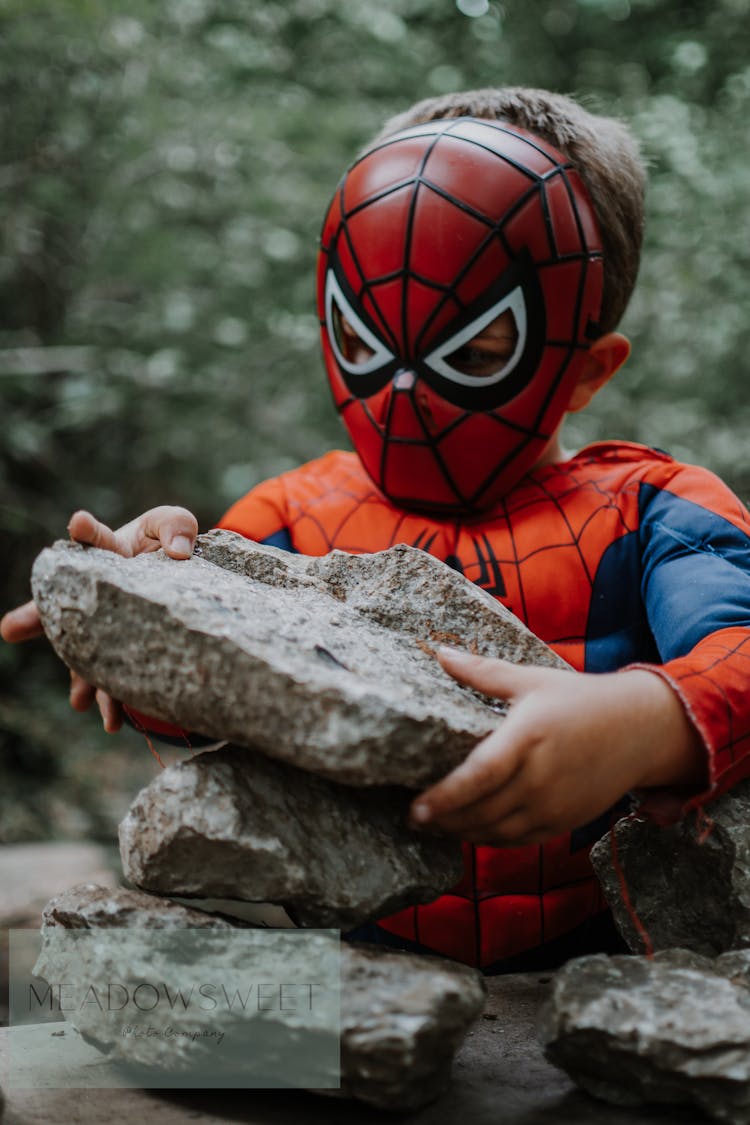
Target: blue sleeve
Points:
(695, 577)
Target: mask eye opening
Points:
(443, 359)
(350, 343)
(357, 349)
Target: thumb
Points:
(487, 674)
(174, 529)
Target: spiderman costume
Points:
(618, 556)
(459, 293)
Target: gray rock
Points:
(326, 663)
(674, 1029)
(687, 890)
(87, 906)
(234, 824)
(402, 1016)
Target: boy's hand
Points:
(174, 529)
(572, 744)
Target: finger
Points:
(519, 827)
(21, 624)
(81, 693)
(488, 767)
(484, 813)
(110, 711)
(174, 529)
(486, 673)
(85, 528)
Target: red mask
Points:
(431, 236)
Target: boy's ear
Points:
(605, 356)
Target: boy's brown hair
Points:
(602, 149)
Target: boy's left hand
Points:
(572, 744)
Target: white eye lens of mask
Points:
(438, 360)
(336, 302)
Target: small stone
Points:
(689, 883)
(234, 824)
(672, 1030)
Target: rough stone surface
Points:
(232, 823)
(402, 1015)
(689, 883)
(88, 906)
(323, 662)
(673, 1029)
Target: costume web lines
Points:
(456, 291)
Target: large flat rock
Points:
(402, 1015)
(674, 1029)
(234, 824)
(689, 883)
(326, 663)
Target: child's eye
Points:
(351, 345)
(477, 361)
(488, 348)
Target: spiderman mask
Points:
(459, 288)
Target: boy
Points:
(475, 262)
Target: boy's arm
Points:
(174, 529)
(259, 515)
(679, 731)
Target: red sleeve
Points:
(713, 685)
(695, 538)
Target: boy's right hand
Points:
(174, 529)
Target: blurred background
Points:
(164, 170)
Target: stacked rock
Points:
(320, 674)
(671, 1026)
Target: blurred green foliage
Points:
(164, 171)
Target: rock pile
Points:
(674, 1028)
(402, 1016)
(321, 671)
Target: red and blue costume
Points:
(618, 556)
